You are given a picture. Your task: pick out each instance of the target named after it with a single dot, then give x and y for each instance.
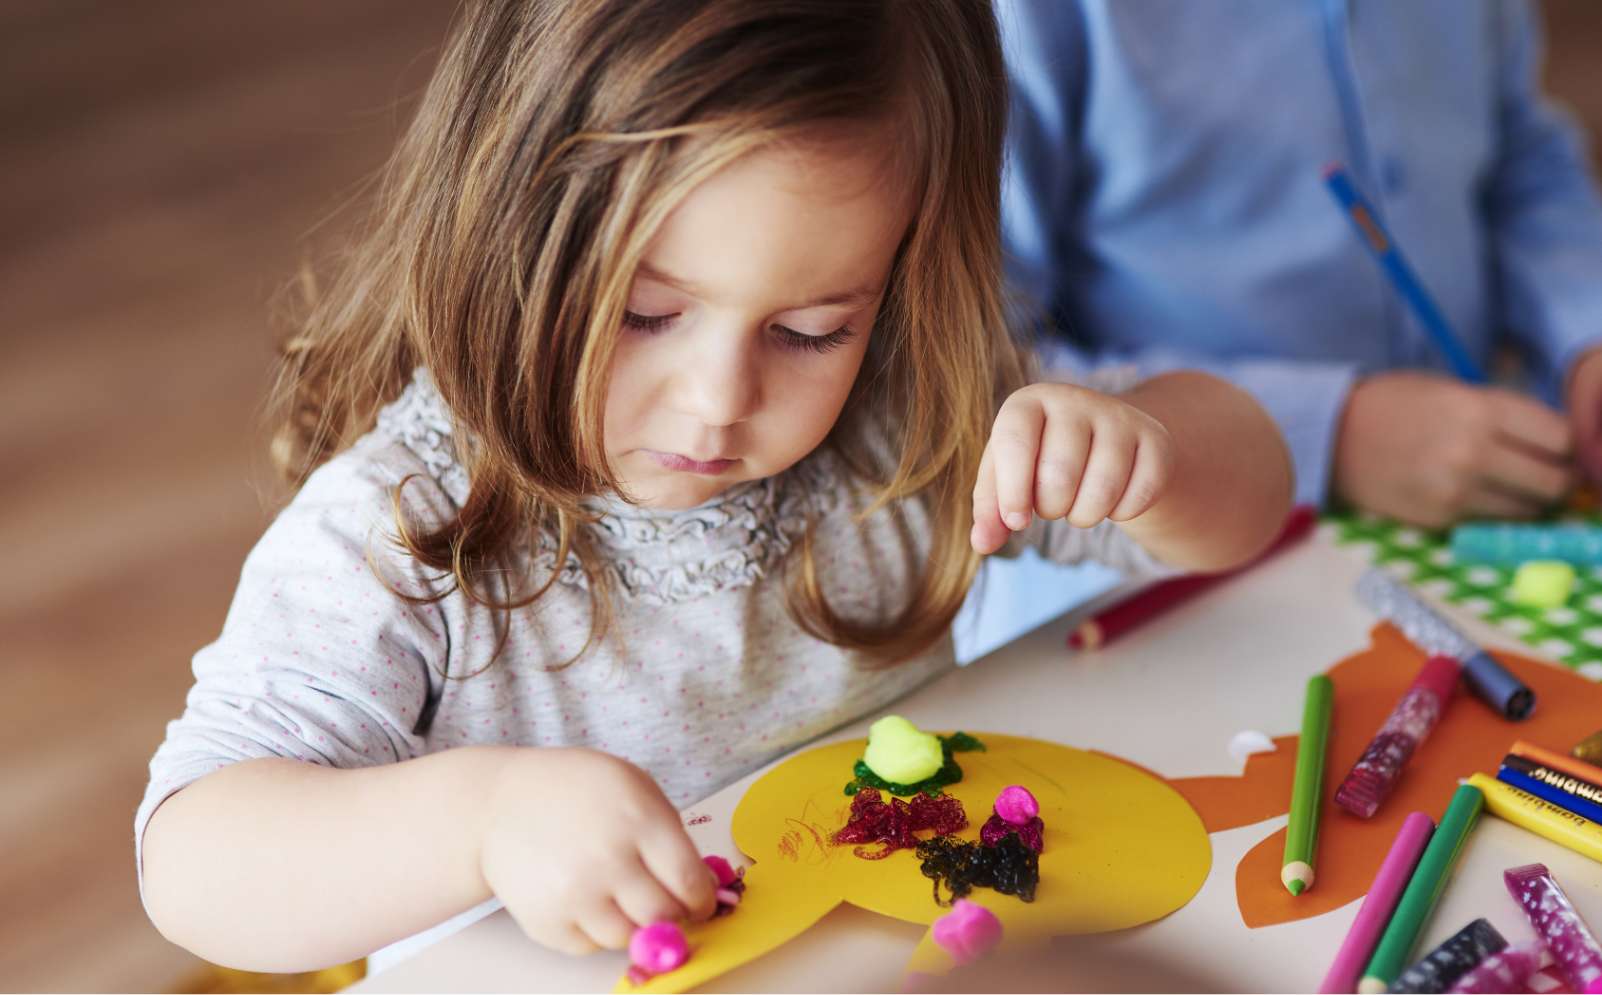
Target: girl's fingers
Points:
(1065, 445)
(1112, 458)
(1153, 464)
(1015, 446)
(989, 531)
(604, 924)
(673, 861)
(643, 899)
(555, 933)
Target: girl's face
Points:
(749, 318)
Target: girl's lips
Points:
(673, 461)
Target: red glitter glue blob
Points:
(894, 824)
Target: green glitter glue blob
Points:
(949, 772)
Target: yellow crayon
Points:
(1540, 817)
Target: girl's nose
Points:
(719, 382)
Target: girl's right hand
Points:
(583, 847)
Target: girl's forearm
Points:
(277, 865)
(1232, 481)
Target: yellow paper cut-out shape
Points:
(1122, 848)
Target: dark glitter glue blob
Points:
(1009, 867)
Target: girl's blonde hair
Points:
(554, 138)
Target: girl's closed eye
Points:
(792, 339)
(648, 322)
(788, 337)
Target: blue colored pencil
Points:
(1386, 252)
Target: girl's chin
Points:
(676, 494)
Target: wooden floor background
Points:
(164, 167)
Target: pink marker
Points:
(1375, 912)
(1376, 772)
(1559, 926)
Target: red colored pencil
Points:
(1154, 600)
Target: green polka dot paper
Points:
(1571, 633)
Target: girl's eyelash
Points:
(647, 322)
(793, 339)
(790, 338)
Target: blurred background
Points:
(165, 168)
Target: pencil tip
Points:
(1296, 887)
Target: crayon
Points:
(1557, 761)
(1541, 817)
(1588, 788)
(1589, 749)
(1551, 793)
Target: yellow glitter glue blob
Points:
(1122, 848)
(900, 753)
(1543, 583)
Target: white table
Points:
(1168, 696)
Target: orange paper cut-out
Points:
(1470, 737)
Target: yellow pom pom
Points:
(1543, 583)
(898, 752)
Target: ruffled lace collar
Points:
(654, 555)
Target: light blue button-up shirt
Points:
(1164, 199)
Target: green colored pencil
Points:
(1301, 839)
(1423, 891)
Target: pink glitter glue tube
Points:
(1508, 971)
(1376, 772)
(1558, 925)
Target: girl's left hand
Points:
(1061, 451)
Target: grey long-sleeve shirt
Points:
(704, 675)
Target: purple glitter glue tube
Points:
(1379, 768)
(1559, 926)
(1508, 971)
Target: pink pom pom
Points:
(1016, 805)
(722, 868)
(658, 947)
(967, 932)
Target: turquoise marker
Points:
(1389, 256)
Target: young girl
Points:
(655, 432)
